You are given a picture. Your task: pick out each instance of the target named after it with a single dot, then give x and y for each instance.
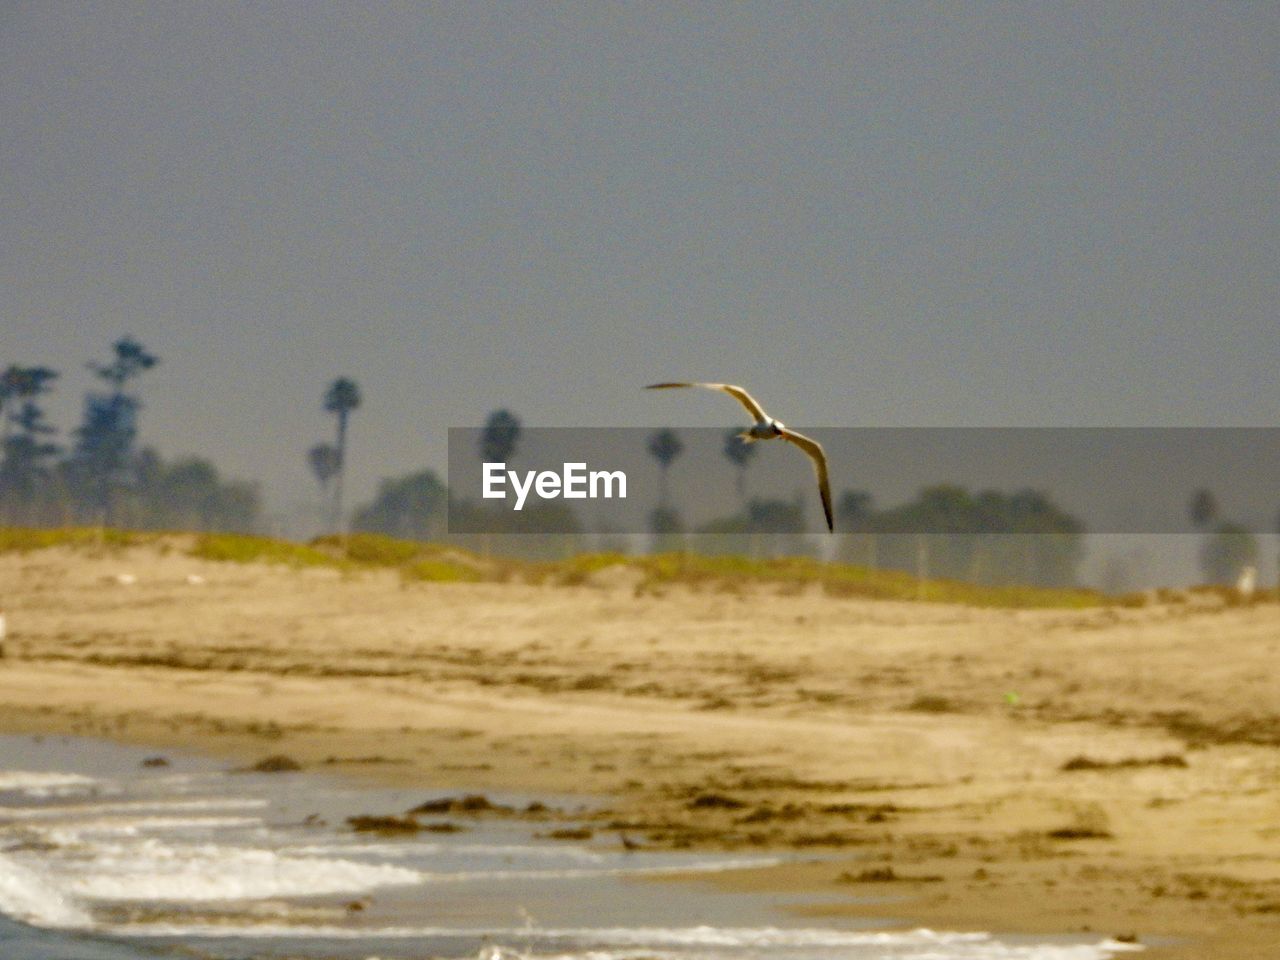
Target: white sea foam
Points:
(622, 943)
(43, 784)
(184, 782)
(27, 894)
(78, 853)
(98, 831)
(152, 870)
(616, 864)
(63, 811)
(889, 947)
(411, 848)
(577, 873)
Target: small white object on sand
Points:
(125, 579)
(1247, 582)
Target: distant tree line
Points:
(99, 475)
(947, 531)
(416, 505)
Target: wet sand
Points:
(923, 751)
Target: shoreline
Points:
(805, 724)
(909, 901)
(804, 875)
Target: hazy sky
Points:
(870, 214)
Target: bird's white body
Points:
(764, 430)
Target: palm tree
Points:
(22, 383)
(498, 445)
(1203, 509)
(131, 359)
(739, 453)
(664, 446)
(24, 473)
(10, 384)
(323, 460)
(104, 441)
(340, 399)
(498, 441)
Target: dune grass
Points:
(441, 571)
(416, 561)
(370, 549)
(240, 548)
(445, 563)
(846, 580)
(26, 539)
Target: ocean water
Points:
(103, 859)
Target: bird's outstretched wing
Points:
(819, 457)
(744, 398)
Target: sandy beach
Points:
(1112, 769)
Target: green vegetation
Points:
(441, 571)
(418, 562)
(239, 548)
(948, 544)
(838, 579)
(371, 549)
(442, 563)
(25, 539)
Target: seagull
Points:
(767, 428)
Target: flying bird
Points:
(767, 428)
